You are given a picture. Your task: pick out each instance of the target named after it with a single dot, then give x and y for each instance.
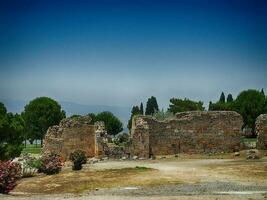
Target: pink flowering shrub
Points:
(10, 172)
(51, 164)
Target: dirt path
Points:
(172, 178)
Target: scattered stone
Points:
(252, 154)
(237, 154)
(135, 157)
(93, 160)
(103, 158)
(176, 155)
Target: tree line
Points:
(32, 124)
(43, 112)
(249, 103)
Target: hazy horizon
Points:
(119, 53)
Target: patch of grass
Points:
(250, 140)
(142, 168)
(32, 148)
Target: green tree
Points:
(220, 106)
(135, 111)
(93, 117)
(230, 98)
(250, 104)
(112, 123)
(11, 134)
(39, 115)
(151, 106)
(262, 91)
(222, 98)
(141, 109)
(183, 105)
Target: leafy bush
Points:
(28, 165)
(51, 164)
(121, 139)
(10, 172)
(78, 158)
(161, 115)
(37, 164)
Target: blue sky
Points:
(122, 52)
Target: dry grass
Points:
(114, 174)
(86, 180)
(242, 170)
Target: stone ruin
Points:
(76, 133)
(261, 131)
(79, 133)
(188, 132)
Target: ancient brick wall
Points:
(139, 142)
(261, 130)
(188, 132)
(71, 134)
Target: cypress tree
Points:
(151, 105)
(262, 91)
(141, 109)
(230, 98)
(222, 98)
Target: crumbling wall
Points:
(78, 133)
(101, 148)
(69, 135)
(139, 141)
(188, 132)
(261, 130)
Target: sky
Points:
(122, 52)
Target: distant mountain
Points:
(123, 113)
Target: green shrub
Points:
(10, 172)
(78, 158)
(37, 164)
(28, 164)
(51, 164)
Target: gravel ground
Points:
(200, 180)
(209, 190)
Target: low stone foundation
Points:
(261, 131)
(188, 132)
